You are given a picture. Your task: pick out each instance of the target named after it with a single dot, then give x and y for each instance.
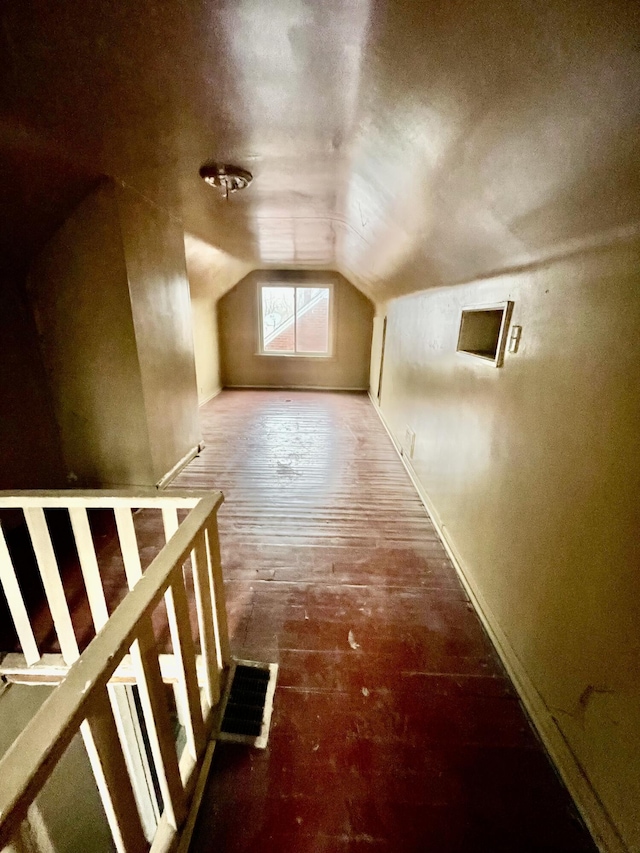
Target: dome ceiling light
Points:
(227, 178)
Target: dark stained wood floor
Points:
(394, 728)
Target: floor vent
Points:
(248, 703)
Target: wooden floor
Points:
(395, 728)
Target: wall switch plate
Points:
(514, 338)
(409, 442)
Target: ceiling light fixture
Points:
(227, 178)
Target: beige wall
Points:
(534, 471)
(111, 301)
(211, 274)
(78, 287)
(238, 334)
(29, 440)
(161, 310)
(71, 789)
(206, 347)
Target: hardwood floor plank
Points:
(394, 727)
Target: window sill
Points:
(298, 356)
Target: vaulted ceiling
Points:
(406, 144)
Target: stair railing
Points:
(84, 701)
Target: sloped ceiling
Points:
(407, 144)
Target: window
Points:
(483, 331)
(295, 320)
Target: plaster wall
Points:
(110, 297)
(534, 471)
(78, 288)
(206, 347)
(348, 368)
(212, 273)
(161, 311)
(29, 439)
(49, 823)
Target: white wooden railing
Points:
(86, 700)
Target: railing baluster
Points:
(109, 768)
(128, 545)
(97, 602)
(129, 725)
(204, 608)
(52, 582)
(87, 699)
(16, 604)
(184, 650)
(89, 565)
(33, 835)
(217, 591)
(183, 647)
(158, 723)
(170, 521)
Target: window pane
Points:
(312, 320)
(277, 319)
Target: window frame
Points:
(506, 307)
(330, 337)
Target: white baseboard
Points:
(587, 801)
(210, 397)
(292, 388)
(163, 482)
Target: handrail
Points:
(77, 503)
(139, 497)
(82, 701)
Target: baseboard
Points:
(211, 396)
(163, 482)
(293, 388)
(593, 811)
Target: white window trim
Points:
(315, 355)
(507, 310)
